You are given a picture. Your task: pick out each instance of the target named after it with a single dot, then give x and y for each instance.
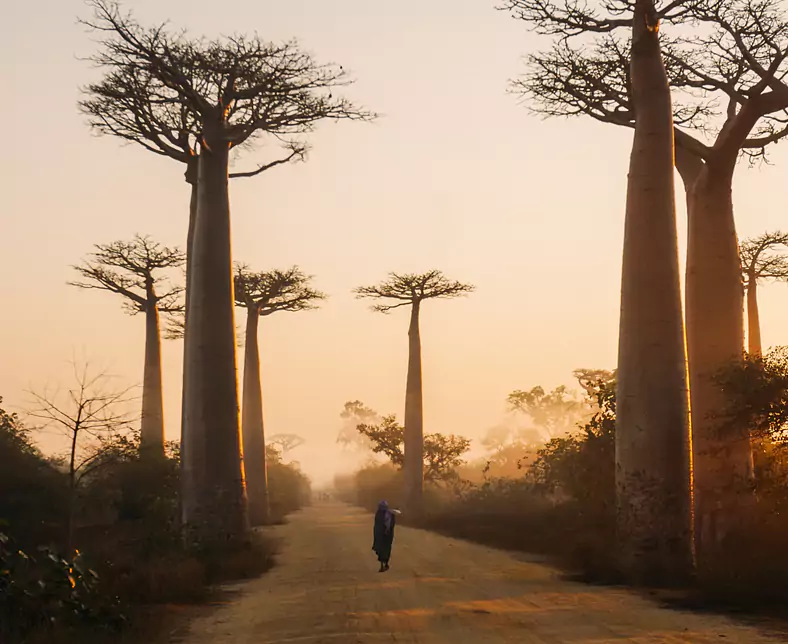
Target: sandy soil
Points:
(326, 589)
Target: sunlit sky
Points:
(455, 175)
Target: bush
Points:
(375, 483)
(46, 592)
(127, 529)
(137, 546)
(33, 494)
(562, 504)
(289, 489)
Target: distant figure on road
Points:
(384, 534)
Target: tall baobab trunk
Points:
(214, 499)
(253, 428)
(754, 347)
(413, 467)
(152, 421)
(192, 176)
(715, 336)
(652, 428)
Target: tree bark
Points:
(191, 175)
(722, 464)
(152, 421)
(72, 488)
(413, 467)
(213, 491)
(754, 347)
(253, 427)
(652, 427)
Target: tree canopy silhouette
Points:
(407, 289)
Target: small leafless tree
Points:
(236, 91)
(134, 270)
(762, 258)
(90, 413)
(263, 294)
(412, 290)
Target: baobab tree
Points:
(263, 294)
(413, 290)
(762, 258)
(133, 270)
(234, 91)
(727, 62)
(652, 422)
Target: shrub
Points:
(45, 592)
(33, 494)
(562, 504)
(289, 489)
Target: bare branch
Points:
(170, 92)
(410, 288)
(298, 153)
(765, 257)
(276, 290)
(130, 269)
(728, 55)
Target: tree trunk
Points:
(191, 175)
(722, 464)
(253, 428)
(652, 427)
(213, 492)
(72, 490)
(152, 421)
(413, 468)
(754, 347)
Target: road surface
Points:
(326, 589)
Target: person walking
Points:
(383, 534)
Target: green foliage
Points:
(50, 593)
(33, 493)
(582, 466)
(757, 392)
(442, 453)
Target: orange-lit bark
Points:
(652, 427)
(213, 490)
(413, 467)
(255, 466)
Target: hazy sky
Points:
(456, 175)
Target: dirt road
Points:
(326, 589)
